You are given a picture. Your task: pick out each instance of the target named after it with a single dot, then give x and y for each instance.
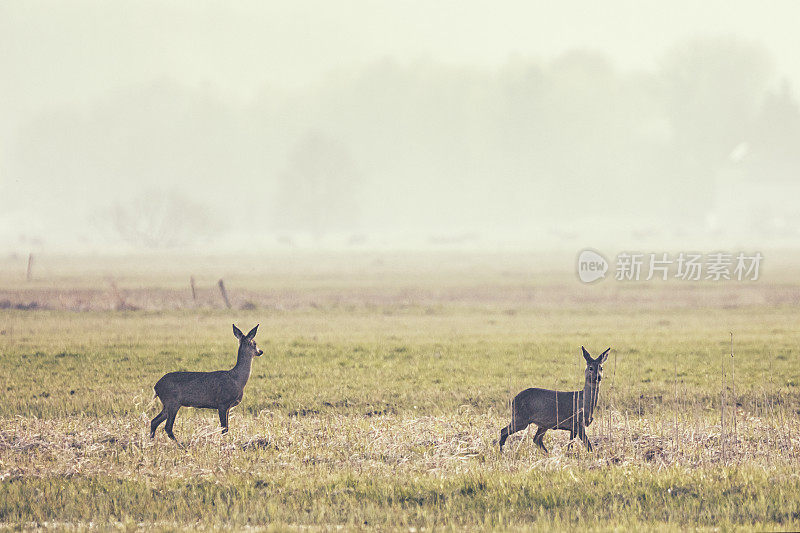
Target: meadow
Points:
(384, 383)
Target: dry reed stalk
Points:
(722, 412)
(675, 443)
(735, 403)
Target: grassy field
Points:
(384, 384)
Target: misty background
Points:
(214, 126)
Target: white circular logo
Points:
(591, 266)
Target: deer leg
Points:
(223, 418)
(538, 438)
(584, 438)
(572, 434)
(173, 411)
(503, 437)
(160, 417)
(509, 430)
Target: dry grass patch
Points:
(385, 445)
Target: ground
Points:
(384, 384)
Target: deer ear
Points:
(603, 356)
(252, 333)
(586, 355)
(237, 332)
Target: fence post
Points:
(224, 293)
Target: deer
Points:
(549, 409)
(218, 390)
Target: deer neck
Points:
(591, 391)
(241, 372)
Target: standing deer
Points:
(218, 390)
(548, 409)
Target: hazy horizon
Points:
(213, 127)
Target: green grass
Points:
(625, 497)
(383, 411)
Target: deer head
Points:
(594, 367)
(247, 343)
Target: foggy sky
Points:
(118, 117)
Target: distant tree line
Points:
(398, 144)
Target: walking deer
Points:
(218, 390)
(548, 409)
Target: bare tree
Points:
(317, 192)
(161, 220)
